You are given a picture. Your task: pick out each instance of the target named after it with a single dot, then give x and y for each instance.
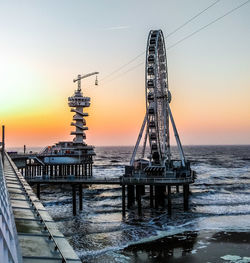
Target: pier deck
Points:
(39, 238)
(110, 181)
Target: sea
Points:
(219, 204)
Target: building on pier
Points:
(66, 158)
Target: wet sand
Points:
(194, 247)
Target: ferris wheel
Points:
(158, 97)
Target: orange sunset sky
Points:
(43, 47)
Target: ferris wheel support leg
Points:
(138, 140)
(144, 144)
(176, 136)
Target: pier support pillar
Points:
(139, 200)
(142, 189)
(38, 190)
(156, 197)
(130, 195)
(159, 196)
(169, 200)
(123, 200)
(51, 170)
(151, 196)
(137, 192)
(80, 197)
(186, 196)
(60, 170)
(74, 199)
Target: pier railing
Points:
(10, 251)
(155, 180)
(46, 228)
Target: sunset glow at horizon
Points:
(44, 47)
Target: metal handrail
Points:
(8, 229)
(174, 180)
(38, 214)
(72, 178)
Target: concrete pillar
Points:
(85, 170)
(139, 201)
(51, 170)
(76, 170)
(60, 170)
(89, 172)
(159, 196)
(33, 170)
(156, 197)
(139, 190)
(130, 195)
(74, 199)
(123, 200)
(169, 200)
(82, 170)
(56, 170)
(151, 196)
(186, 196)
(80, 197)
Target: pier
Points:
(132, 185)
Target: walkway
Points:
(39, 238)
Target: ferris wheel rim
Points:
(157, 135)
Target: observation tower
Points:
(78, 102)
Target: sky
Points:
(45, 44)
